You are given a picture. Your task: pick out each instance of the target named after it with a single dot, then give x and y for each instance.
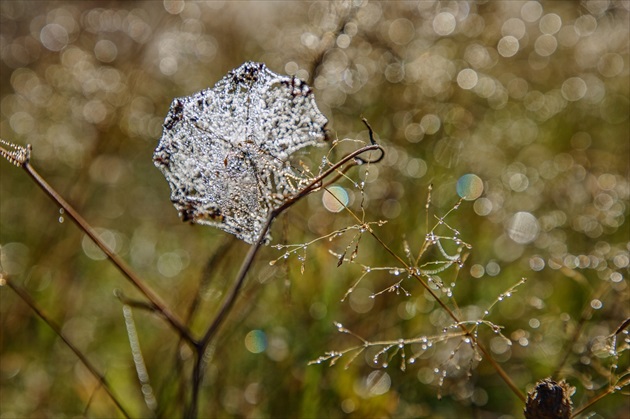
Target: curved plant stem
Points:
(200, 346)
(450, 312)
(55, 327)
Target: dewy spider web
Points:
(225, 151)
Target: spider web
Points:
(225, 151)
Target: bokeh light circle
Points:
(256, 341)
(508, 46)
(469, 187)
(523, 227)
(467, 78)
(335, 198)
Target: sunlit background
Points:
(519, 108)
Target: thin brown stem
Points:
(228, 303)
(587, 312)
(156, 302)
(451, 314)
(462, 326)
(609, 390)
(55, 327)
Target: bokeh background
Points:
(532, 98)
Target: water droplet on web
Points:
(61, 213)
(225, 151)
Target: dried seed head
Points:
(549, 400)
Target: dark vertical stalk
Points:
(202, 345)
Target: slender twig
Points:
(55, 327)
(318, 60)
(156, 302)
(201, 346)
(611, 389)
(587, 312)
(452, 315)
(450, 312)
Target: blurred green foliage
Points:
(533, 98)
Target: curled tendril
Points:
(360, 160)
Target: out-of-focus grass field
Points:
(533, 98)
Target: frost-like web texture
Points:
(225, 151)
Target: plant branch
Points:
(201, 346)
(611, 389)
(462, 326)
(156, 302)
(55, 327)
